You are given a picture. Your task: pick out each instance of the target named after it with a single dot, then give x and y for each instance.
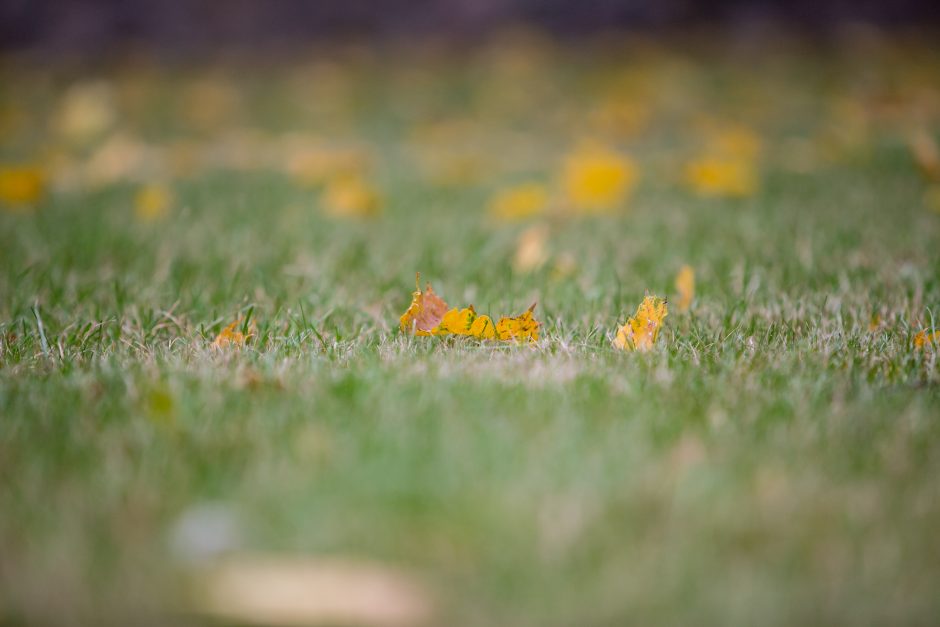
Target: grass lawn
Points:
(774, 460)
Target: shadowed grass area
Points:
(774, 459)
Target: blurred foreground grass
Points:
(774, 460)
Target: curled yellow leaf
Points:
(640, 331)
(426, 311)
(483, 328)
(524, 327)
(457, 322)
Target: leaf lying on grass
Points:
(927, 338)
(426, 311)
(428, 315)
(640, 331)
(233, 336)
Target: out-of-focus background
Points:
(211, 218)
(203, 25)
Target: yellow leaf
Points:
(152, 202)
(351, 197)
(640, 331)
(685, 286)
(530, 249)
(925, 338)
(722, 177)
(519, 202)
(426, 311)
(21, 186)
(523, 327)
(457, 322)
(483, 328)
(232, 336)
(597, 179)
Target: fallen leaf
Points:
(685, 286)
(457, 322)
(233, 336)
(640, 331)
(519, 202)
(351, 197)
(531, 251)
(290, 591)
(927, 338)
(597, 179)
(483, 328)
(523, 327)
(428, 315)
(426, 311)
(722, 177)
(21, 186)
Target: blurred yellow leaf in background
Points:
(21, 187)
(531, 253)
(86, 111)
(519, 202)
(722, 177)
(685, 286)
(152, 202)
(640, 331)
(351, 197)
(597, 179)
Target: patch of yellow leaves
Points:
(724, 177)
(232, 335)
(428, 314)
(597, 179)
(640, 331)
(685, 287)
(518, 202)
(21, 186)
(927, 338)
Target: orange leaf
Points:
(426, 311)
(640, 331)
